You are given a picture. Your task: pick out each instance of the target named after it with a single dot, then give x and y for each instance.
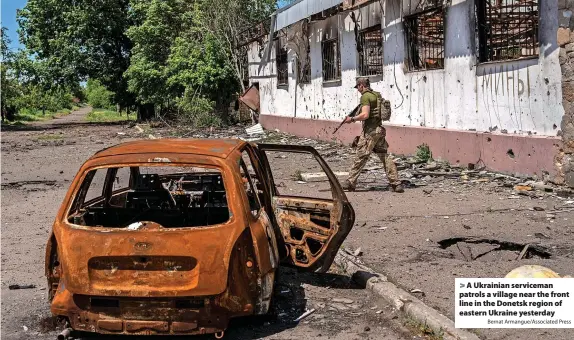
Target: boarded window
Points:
(370, 49)
(507, 29)
(331, 60)
(282, 61)
(425, 40)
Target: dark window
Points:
(331, 60)
(304, 73)
(507, 29)
(425, 40)
(370, 48)
(282, 61)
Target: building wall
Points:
(512, 99)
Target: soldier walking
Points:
(373, 111)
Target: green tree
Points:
(9, 85)
(98, 96)
(81, 39)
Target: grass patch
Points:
(107, 116)
(31, 115)
(422, 329)
(298, 176)
(424, 153)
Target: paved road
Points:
(38, 163)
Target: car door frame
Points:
(347, 213)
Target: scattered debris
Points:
(427, 191)
(256, 129)
(25, 328)
(358, 252)
(521, 255)
(320, 176)
(14, 287)
(538, 208)
(343, 300)
(304, 315)
(418, 291)
(139, 129)
(367, 328)
(522, 188)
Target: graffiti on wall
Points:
(506, 80)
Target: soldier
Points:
(373, 137)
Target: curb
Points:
(400, 299)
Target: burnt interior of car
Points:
(172, 200)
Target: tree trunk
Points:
(145, 112)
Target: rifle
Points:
(352, 114)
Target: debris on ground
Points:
(304, 315)
(14, 287)
(256, 129)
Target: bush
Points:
(98, 96)
(197, 111)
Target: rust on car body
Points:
(187, 242)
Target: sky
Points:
(9, 8)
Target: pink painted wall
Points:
(532, 154)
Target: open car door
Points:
(312, 228)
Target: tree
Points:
(81, 39)
(97, 95)
(225, 19)
(10, 88)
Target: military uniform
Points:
(372, 140)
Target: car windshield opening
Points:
(171, 196)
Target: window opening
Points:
(172, 196)
(370, 49)
(425, 40)
(331, 60)
(507, 29)
(282, 61)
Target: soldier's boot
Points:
(397, 188)
(348, 186)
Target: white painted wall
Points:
(521, 97)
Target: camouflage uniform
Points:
(372, 140)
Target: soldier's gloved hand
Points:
(348, 120)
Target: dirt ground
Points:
(38, 163)
(409, 236)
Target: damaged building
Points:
(485, 82)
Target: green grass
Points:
(106, 116)
(31, 115)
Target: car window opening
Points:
(171, 196)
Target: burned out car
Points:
(178, 236)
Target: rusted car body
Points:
(191, 237)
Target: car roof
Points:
(220, 148)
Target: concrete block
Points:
(568, 91)
(563, 36)
(320, 176)
(564, 17)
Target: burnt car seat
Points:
(148, 192)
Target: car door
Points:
(312, 228)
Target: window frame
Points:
(484, 43)
(338, 71)
(281, 52)
(243, 166)
(411, 25)
(361, 63)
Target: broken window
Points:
(304, 73)
(331, 60)
(507, 29)
(370, 49)
(282, 61)
(172, 196)
(425, 39)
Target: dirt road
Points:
(38, 163)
